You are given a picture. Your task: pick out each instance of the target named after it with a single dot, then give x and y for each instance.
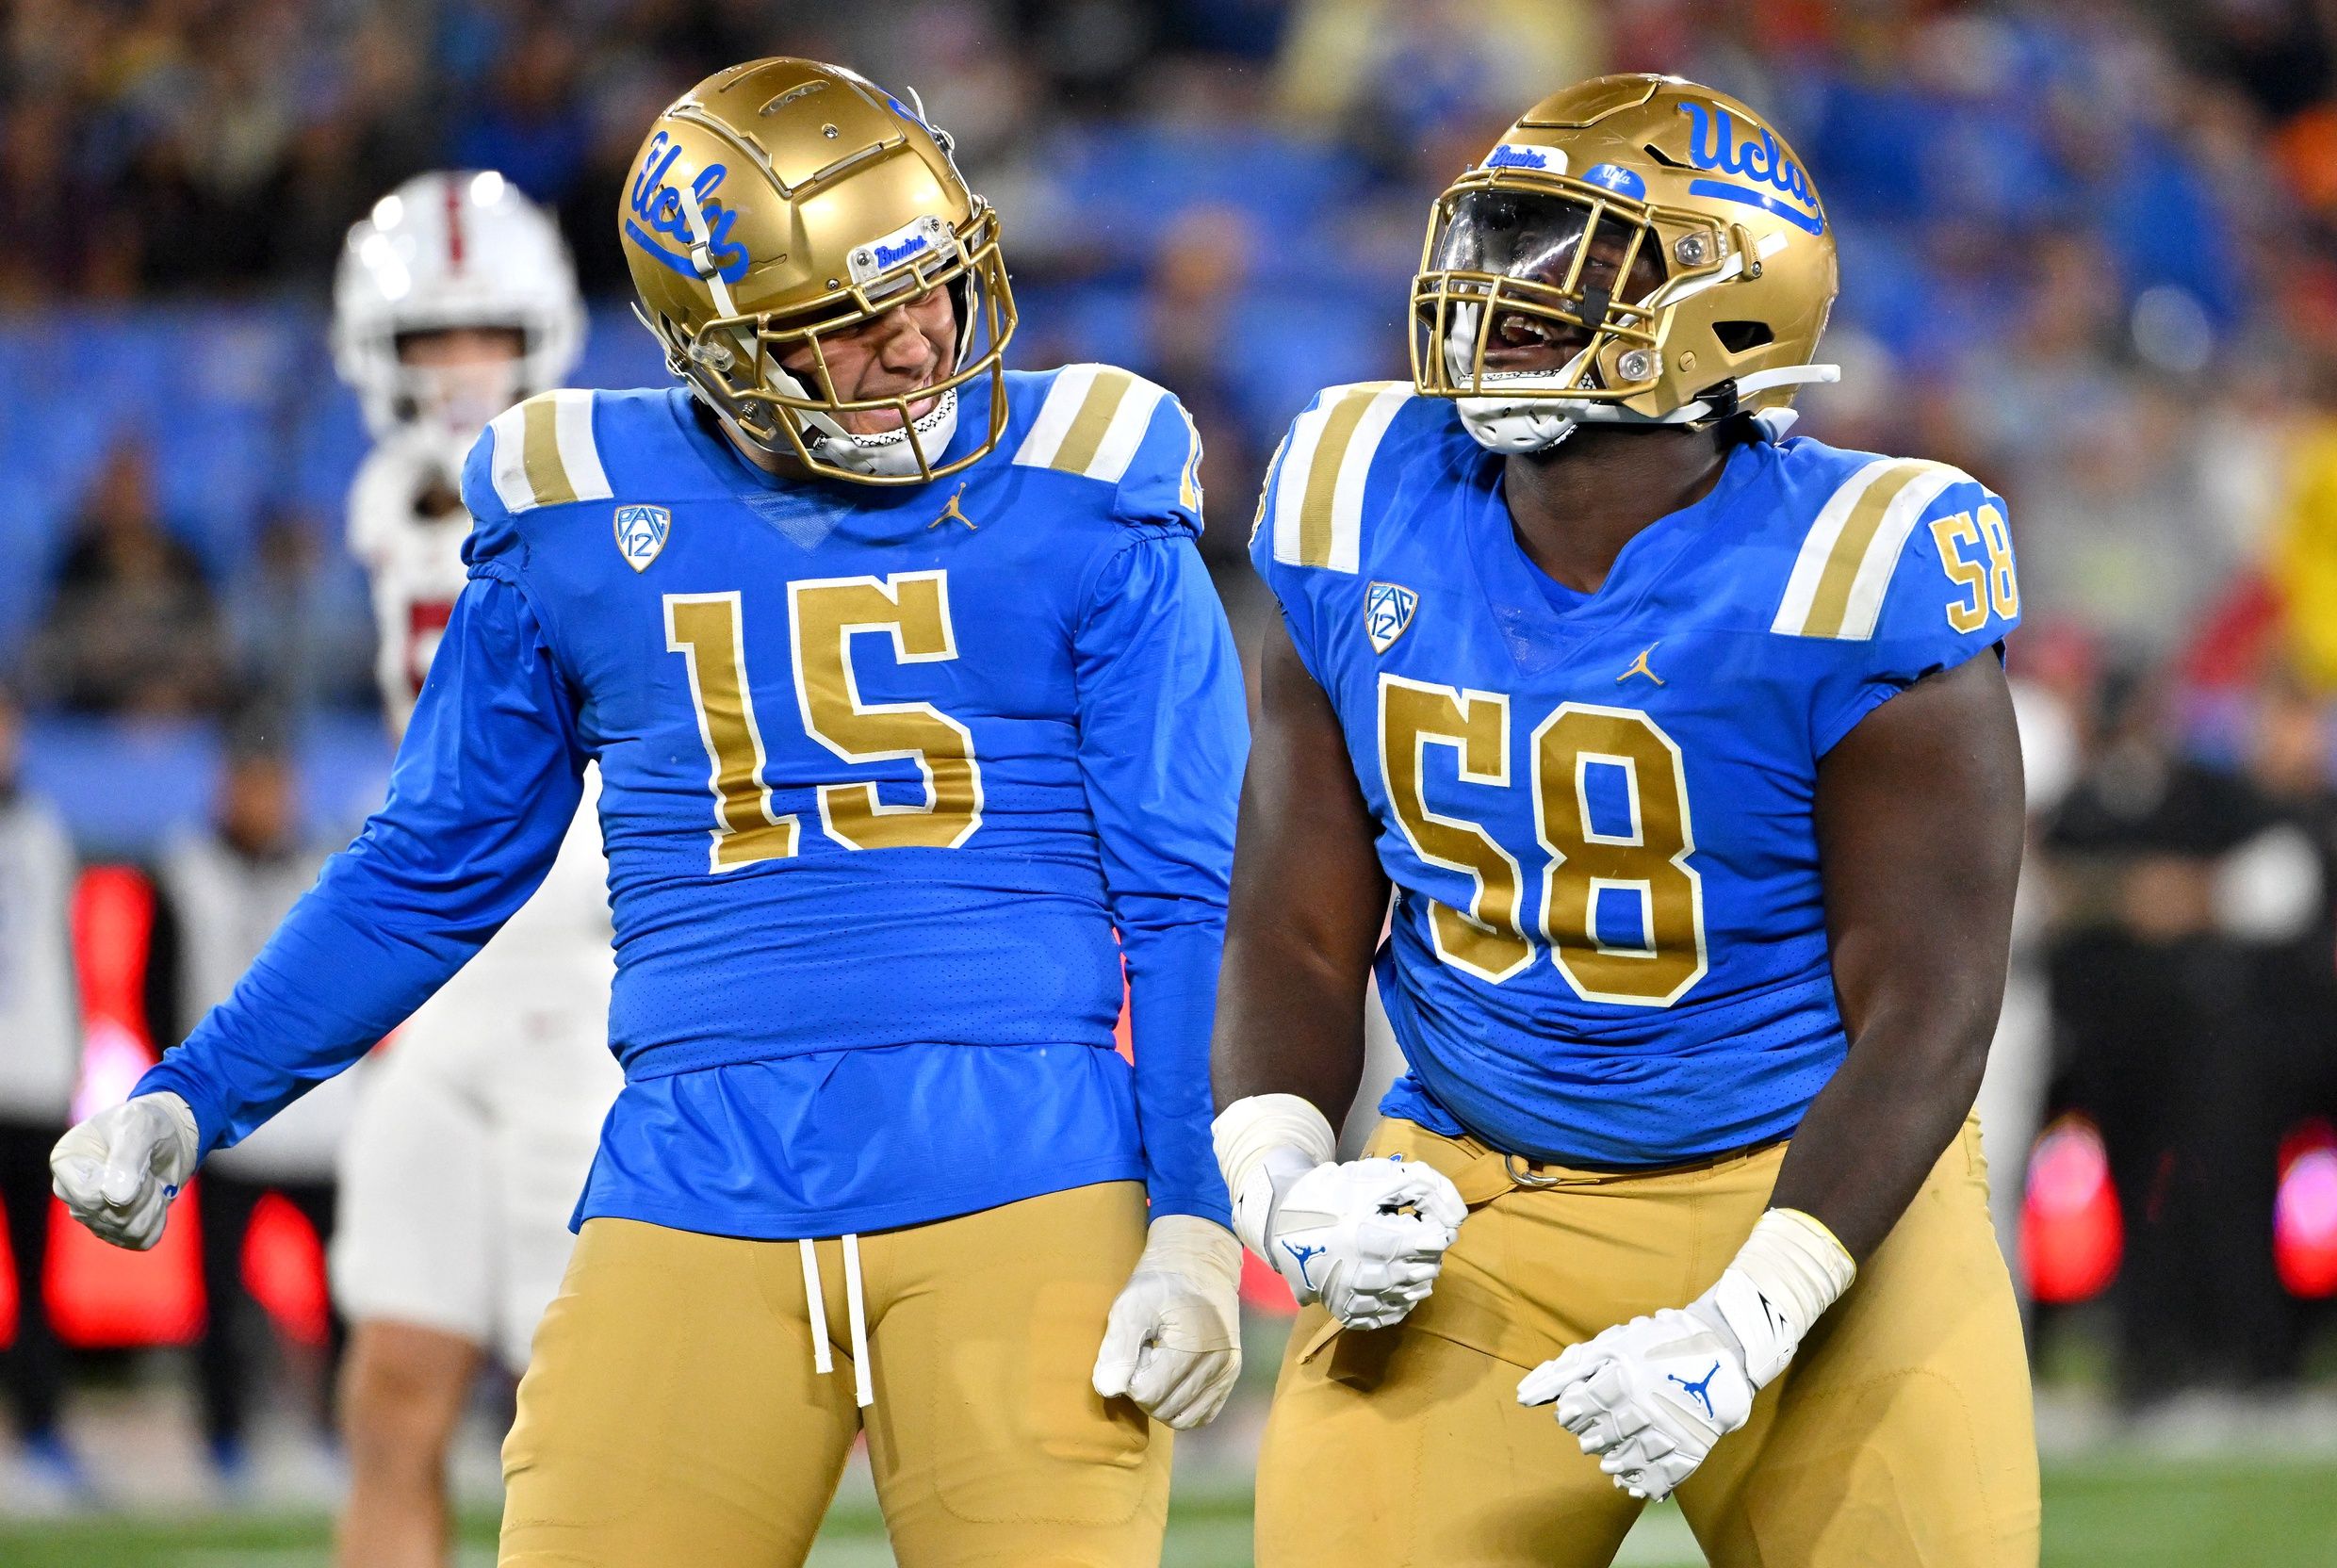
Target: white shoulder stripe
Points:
(1318, 496)
(1092, 422)
(579, 454)
(1125, 433)
(1056, 413)
(507, 466)
(1843, 570)
(545, 453)
(1347, 496)
(1867, 591)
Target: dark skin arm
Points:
(1919, 817)
(1308, 903)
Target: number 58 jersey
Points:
(1608, 943)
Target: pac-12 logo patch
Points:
(641, 534)
(1387, 613)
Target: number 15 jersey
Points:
(893, 782)
(1608, 942)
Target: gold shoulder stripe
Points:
(546, 454)
(546, 478)
(1340, 420)
(1188, 477)
(1092, 422)
(1844, 567)
(1318, 497)
(1081, 442)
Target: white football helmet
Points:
(456, 249)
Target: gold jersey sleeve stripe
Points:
(1318, 499)
(1086, 437)
(1844, 568)
(540, 453)
(1092, 422)
(545, 453)
(1188, 474)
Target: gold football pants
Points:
(1900, 1437)
(671, 1416)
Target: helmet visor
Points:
(1549, 272)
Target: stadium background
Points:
(2089, 253)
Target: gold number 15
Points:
(823, 616)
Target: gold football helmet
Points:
(1636, 250)
(783, 202)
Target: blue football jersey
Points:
(887, 774)
(1608, 944)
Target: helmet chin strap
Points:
(1526, 424)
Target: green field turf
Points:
(2107, 1512)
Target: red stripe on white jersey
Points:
(455, 225)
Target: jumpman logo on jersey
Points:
(1702, 1389)
(1639, 666)
(1305, 1257)
(953, 512)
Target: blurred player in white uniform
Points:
(456, 299)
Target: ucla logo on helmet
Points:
(1713, 145)
(1388, 608)
(641, 534)
(657, 210)
(1614, 177)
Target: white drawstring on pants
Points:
(856, 1313)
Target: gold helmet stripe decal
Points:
(1092, 422)
(1318, 497)
(544, 454)
(1846, 561)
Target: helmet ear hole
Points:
(1743, 337)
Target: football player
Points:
(455, 299)
(916, 717)
(1687, 752)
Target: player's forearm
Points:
(482, 791)
(1920, 828)
(334, 980)
(1172, 983)
(1309, 900)
(1877, 1130)
(1290, 1020)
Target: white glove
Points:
(1366, 1238)
(1173, 1340)
(119, 1170)
(1652, 1396)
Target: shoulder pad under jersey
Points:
(1112, 426)
(1907, 568)
(1312, 512)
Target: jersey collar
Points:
(1535, 630)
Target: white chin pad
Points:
(887, 454)
(1514, 428)
(1510, 425)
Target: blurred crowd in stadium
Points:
(2089, 253)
